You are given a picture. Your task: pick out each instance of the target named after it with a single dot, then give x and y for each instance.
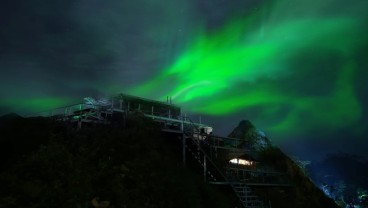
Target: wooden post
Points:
(80, 117)
(184, 142)
(79, 123)
(204, 168)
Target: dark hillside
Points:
(303, 193)
(53, 165)
(20, 136)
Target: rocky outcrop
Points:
(255, 138)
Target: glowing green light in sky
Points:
(35, 105)
(248, 62)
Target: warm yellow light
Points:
(241, 161)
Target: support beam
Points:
(184, 144)
(204, 168)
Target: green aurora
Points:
(295, 64)
(296, 68)
(38, 105)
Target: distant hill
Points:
(9, 120)
(20, 136)
(343, 177)
(9, 116)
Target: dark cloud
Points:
(74, 44)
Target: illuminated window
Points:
(241, 161)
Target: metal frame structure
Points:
(212, 152)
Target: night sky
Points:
(296, 68)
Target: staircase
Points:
(247, 197)
(214, 175)
(200, 158)
(205, 154)
(213, 153)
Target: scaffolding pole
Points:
(184, 142)
(204, 168)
